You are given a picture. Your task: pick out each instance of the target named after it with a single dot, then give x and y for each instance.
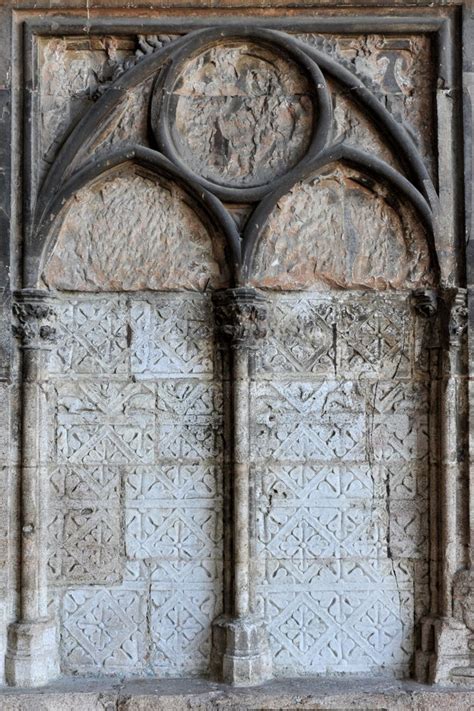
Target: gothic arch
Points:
(217, 217)
(285, 385)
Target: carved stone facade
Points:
(235, 345)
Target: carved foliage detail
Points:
(35, 323)
(241, 316)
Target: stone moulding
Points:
(240, 637)
(69, 165)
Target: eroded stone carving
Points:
(241, 316)
(250, 113)
(35, 324)
(399, 72)
(339, 230)
(341, 459)
(71, 72)
(101, 244)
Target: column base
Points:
(32, 653)
(444, 655)
(240, 651)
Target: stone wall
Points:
(236, 386)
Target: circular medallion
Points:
(237, 116)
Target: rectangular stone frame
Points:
(447, 24)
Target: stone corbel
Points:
(32, 655)
(241, 652)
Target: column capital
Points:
(35, 319)
(241, 316)
(425, 302)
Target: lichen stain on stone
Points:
(244, 115)
(133, 232)
(339, 231)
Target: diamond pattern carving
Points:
(104, 629)
(374, 340)
(300, 340)
(85, 524)
(92, 338)
(172, 337)
(340, 461)
(340, 457)
(181, 629)
(105, 422)
(189, 420)
(143, 457)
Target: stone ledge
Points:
(199, 695)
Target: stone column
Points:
(241, 653)
(32, 656)
(444, 635)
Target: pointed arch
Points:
(371, 166)
(204, 202)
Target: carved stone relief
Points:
(135, 536)
(242, 422)
(101, 245)
(399, 69)
(251, 114)
(338, 230)
(341, 456)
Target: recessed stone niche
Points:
(340, 229)
(243, 396)
(133, 231)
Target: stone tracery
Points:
(375, 346)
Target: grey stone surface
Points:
(251, 113)
(180, 694)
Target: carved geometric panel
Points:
(171, 337)
(325, 336)
(85, 527)
(135, 483)
(104, 630)
(340, 452)
(106, 422)
(91, 338)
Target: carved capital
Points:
(458, 315)
(35, 320)
(425, 302)
(241, 316)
